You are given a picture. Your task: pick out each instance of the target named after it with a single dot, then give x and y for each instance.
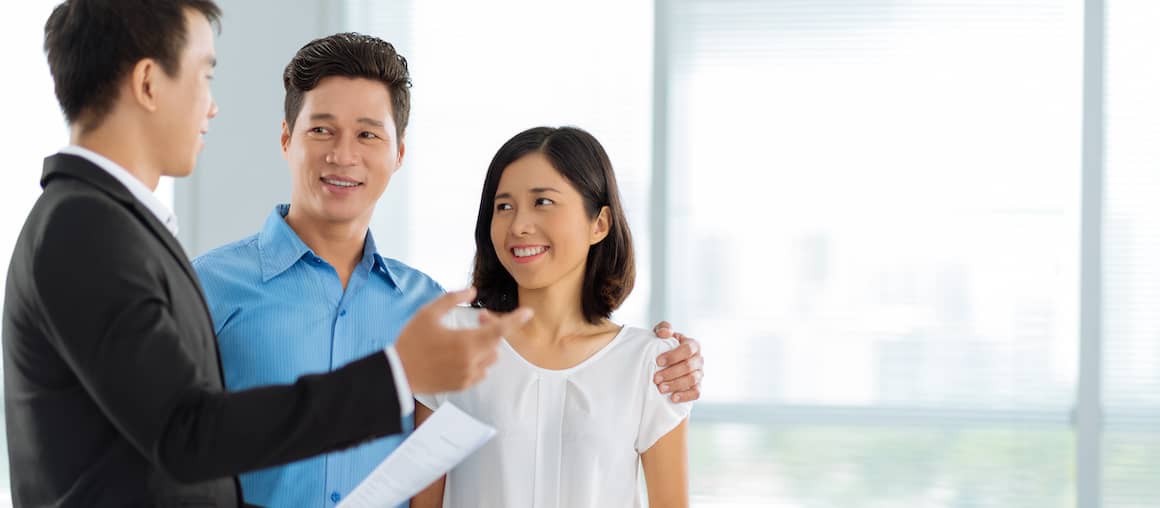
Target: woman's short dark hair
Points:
(575, 154)
(92, 44)
(350, 55)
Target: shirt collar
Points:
(379, 263)
(279, 247)
(136, 187)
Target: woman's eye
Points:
(503, 206)
(544, 201)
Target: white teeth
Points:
(340, 183)
(529, 251)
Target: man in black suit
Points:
(113, 386)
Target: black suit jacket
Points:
(112, 382)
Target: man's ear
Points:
(285, 138)
(402, 152)
(600, 226)
(145, 83)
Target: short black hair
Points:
(92, 44)
(577, 155)
(350, 55)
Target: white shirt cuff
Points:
(406, 398)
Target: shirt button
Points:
(335, 497)
(342, 312)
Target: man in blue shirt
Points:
(310, 292)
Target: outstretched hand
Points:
(440, 359)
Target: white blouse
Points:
(565, 438)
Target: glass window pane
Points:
(875, 205)
(1131, 256)
(878, 205)
(824, 466)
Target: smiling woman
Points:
(550, 208)
(551, 236)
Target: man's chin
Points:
(339, 215)
(343, 219)
(180, 170)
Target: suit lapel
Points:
(171, 244)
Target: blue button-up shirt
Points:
(280, 312)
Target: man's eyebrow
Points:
(370, 121)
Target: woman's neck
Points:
(559, 315)
(558, 336)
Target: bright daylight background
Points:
(868, 211)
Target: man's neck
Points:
(340, 243)
(121, 143)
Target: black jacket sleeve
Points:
(106, 298)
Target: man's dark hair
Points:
(610, 270)
(350, 55)
(92, 44)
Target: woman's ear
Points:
(600, 226)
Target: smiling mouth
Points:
(528, 252)
(346, 184)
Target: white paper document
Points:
(444, 440)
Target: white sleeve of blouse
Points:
(660, 415)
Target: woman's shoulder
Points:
(644, 341)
